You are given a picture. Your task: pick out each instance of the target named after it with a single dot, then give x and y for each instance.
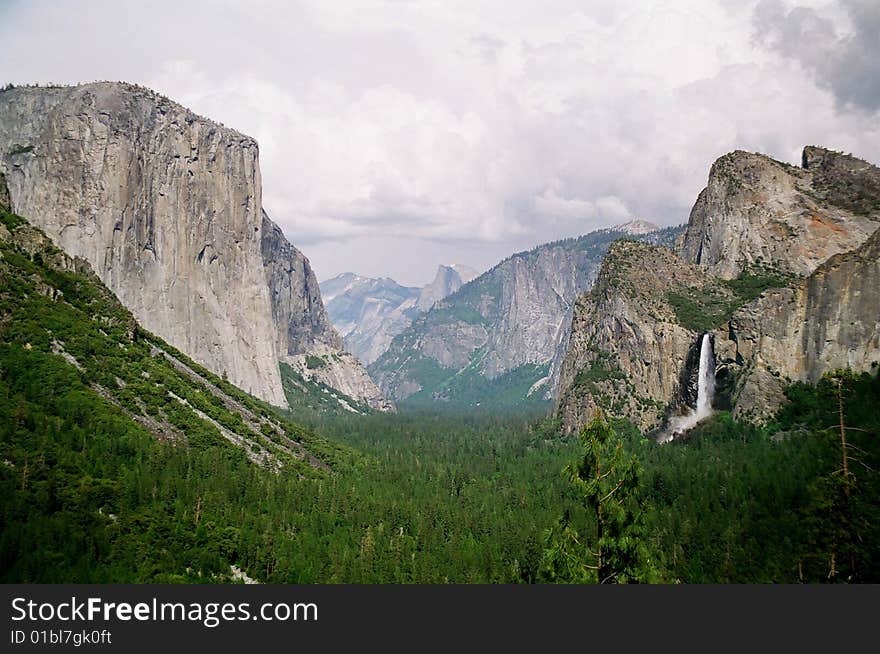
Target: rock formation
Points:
(627, 350)
(167, 208)
(779, 265)
(447, 281)
(826, 322)
(502, 330)
(758, 212)
(368, 312)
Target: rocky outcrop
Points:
(301, 322)
(447, 281)
(167, 208)
(627, 349)
(506, 325)
(5, 202)
(780, 268)
(757, 213)
(828, 321)
(341, 371)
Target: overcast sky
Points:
(396, 135)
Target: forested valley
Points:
(88, 496)
(91, 494)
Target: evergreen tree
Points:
(606, 482)
(839, 516)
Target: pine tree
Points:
(606, 481)
(838, 517)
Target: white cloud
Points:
(444, 131)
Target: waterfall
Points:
(705, 394)
(706, 379)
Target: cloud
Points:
(844, 59)
(461, 131)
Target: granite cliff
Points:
(167, 208)
(756, 211)
(496, 338)
(778, 264)
(447, 281)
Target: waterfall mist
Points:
(705, 393)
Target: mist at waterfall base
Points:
(705, 393)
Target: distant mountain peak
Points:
(449, 278)
(636, 227)
(465, 272)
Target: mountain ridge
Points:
(508, 324)
(369, 312)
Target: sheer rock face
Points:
(5, 202)
(628, 351)
(757, 212)
(297, 309)
(828, 321)
(517, 314)
(167, 208)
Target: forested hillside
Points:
(89, 401)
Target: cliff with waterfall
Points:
(776, 280)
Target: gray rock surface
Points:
(828, 321)
(167, 208)
(633, 341)
(757, 212)
(368, 313)
(516, 315)
(447, 281)
(627, 350)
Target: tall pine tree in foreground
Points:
(841, 517)
(606, 482)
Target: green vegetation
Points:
(98, 417)
(433, 497)
(21, 149)
(468, 388)
(704, 309)
(606, 480)
(602, 368)
(308, 398)
(847, 182)
(106, 476)
(10, 220)
(455, 313)
(315, 363)
(749, 285)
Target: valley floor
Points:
(425, 498)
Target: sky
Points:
(396, 135)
